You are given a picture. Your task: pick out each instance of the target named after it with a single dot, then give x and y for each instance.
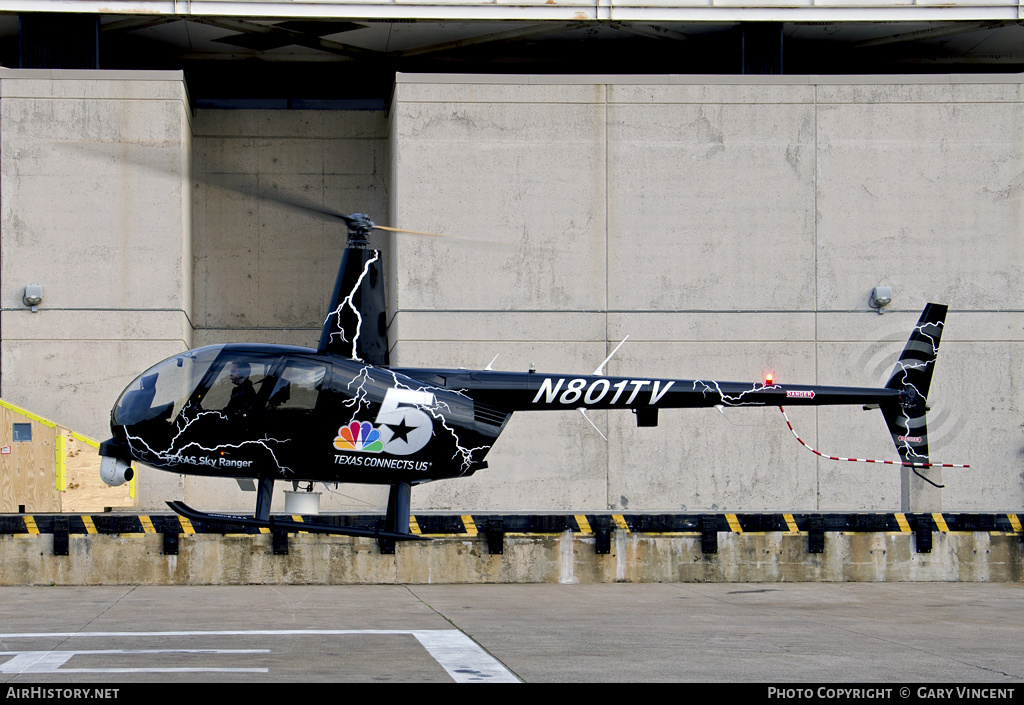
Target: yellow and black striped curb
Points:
(495, 527)
(466, 525)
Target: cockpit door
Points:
(236, 385)
(295, 396)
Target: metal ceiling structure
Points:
(352, 60)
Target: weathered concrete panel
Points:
(779, 92)
(722, 327)
(260, 264)
(941, 89)
(98, 324)
(522, 182)
(206, 559)
(699, 460)
(495, 90)
(57, 378)
(672, 231)
(494, 328)
(303, 337)
(923, 196)
(91, 84)
(96, 205)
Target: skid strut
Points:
(289, 525)
(397, 519)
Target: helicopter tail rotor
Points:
(912, 376)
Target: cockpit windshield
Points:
(161, 391)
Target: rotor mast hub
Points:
(359, 227)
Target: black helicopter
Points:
(341, 413)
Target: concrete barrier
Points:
(565, 557)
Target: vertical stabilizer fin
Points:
(912, 376)
(356, 323)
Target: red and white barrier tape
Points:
(866, 460)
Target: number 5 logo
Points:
(403, 427)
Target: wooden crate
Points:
(58, 470)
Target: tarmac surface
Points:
(923, 633)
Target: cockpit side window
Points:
(160, 392)
(298, 386)
(237, 383)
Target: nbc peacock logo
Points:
(359, 436)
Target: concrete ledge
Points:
(564, 557)
(133, 325)
(707, 79)
(91, 83)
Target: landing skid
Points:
(277, 523)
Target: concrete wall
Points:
(95, 206)
(264, 270)
(731, 227)
(568, 558)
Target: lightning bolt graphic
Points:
(173, 455)
(905, 371)
(360, 396)
(729, 400)
(436, 411)
(350, 302)
(909, 367)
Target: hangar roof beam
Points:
(301, 38)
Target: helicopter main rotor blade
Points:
(302, 205)
(112, 154)
(349, 219)
(413, 232)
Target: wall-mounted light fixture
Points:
(33, 296)
(881, 296)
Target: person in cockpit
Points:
(244, 394)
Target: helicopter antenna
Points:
(599, 372)
(583, 411)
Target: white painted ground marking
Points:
(51, 661)
(461, 657)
